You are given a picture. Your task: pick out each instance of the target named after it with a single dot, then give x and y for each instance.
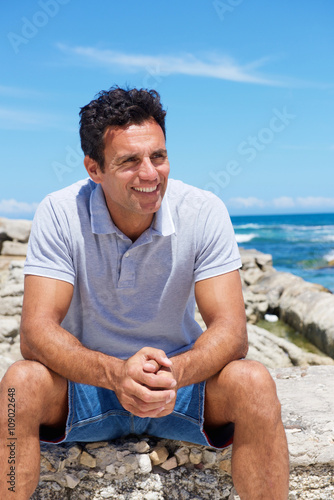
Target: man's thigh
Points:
(95, 414)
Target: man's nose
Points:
(147, 170)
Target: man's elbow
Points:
(244, 349)
(25, 346)
(243, 344)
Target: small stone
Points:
(209, 457)
(87, 460)
(142, 447)
(171, 463)
(121, 470)
(182, 455)
(104, 456)
(144, 463)
(72, 481)
(121, 454)
(131, 460)
(195, 456)
(72, 456)
(110, 469)
(226, 466)
(98, 444)
(159, 455)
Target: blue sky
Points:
(249, 89)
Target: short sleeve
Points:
(49, 250)
(216, 247)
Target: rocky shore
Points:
(146, 468)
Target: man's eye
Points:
(158, 156)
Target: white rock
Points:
(14, 248)
(145, 464)
(272, 318)
(9, 326)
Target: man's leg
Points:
(244, 393)
(40, 397)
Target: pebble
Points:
(171, 463)
(87, 459)
(159, 455)
(182, 455)
(142, 447)
(195, 456)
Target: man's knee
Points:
(37, 389)
(250, 388)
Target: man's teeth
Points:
(145, 190)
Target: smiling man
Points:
(111, 347)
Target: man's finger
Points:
(151, 366)
(159, 380)
(148, 396)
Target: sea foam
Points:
(243, 238)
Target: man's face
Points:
(136, 169)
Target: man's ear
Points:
(93, 169)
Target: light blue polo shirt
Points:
(130, 295)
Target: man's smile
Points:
(145, 189)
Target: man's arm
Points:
(46, 302)
(221, 305)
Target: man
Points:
(108, 334)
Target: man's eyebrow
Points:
(120, 159)
(160, 150)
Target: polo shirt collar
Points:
(163, 224)
(102, 223)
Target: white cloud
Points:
(283, 202)
(246, 202)
(15, 207)
(224, 68)
(315, 201)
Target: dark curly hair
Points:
(116, 107)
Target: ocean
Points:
(302, 244)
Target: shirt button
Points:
(127, 254)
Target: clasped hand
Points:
(147, 386)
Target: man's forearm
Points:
(215, 348)
(60, 351)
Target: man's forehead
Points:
(123, 136)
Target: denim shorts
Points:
(95, 414)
